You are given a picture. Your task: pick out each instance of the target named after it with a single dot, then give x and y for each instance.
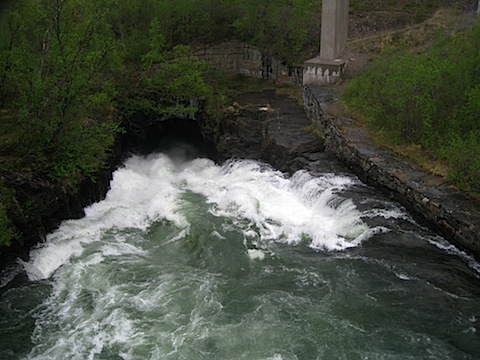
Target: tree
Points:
(61, 63)
(167, 80)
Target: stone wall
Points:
(234, 58)
(429, 198)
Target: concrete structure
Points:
(334, 28)
(234, 58)
(328, 66)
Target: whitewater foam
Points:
(255, 254)
(281, 208)
(276, 207)
(189, 260)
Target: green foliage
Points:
(61, 58)
(281, 27)
(398, 96)
(462, 148)
(463, 155)
(467, 119)
(284, 28)
(168, 80)
(7, 232)
(81, 150)
(431, 99)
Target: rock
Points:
(269, 127)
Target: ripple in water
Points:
(192, 260)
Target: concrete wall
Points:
(237, 58)
(322, 72)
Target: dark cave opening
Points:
(165, 135)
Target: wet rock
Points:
(269, 127)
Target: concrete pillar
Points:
(328, 67)
(334, 28)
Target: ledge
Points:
(445, 209)
(318, 71)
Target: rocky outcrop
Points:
(266, 126)
(274, 128)
(271, 127)
(430, 198)
(41, 204)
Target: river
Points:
(188, 259)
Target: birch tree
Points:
(60, 69)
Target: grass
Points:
(423, 158)
(415, 37)
(423, 102)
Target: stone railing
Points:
(445, 209)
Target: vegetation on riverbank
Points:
(428, 98)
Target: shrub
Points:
(430, 99)
(463, 157)
(6, 230)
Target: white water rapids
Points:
(188, 259)
(270, 206)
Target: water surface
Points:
(187, 259)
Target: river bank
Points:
(271, 127)
(431, 199)
(275, 128)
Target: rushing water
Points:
(186, 259)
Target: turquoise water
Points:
(186, 259)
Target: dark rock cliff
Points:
(41, 204)
(269, 127)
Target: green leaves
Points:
(81, 149)
(6, 230)
(169, 80)
(60, 62)
(284, 28)
(463, 155)
(431, 99)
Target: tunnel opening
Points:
(166, 135)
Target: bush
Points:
(463, 157)
(430, 99)
(7, 232)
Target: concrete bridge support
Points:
(328, 66)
